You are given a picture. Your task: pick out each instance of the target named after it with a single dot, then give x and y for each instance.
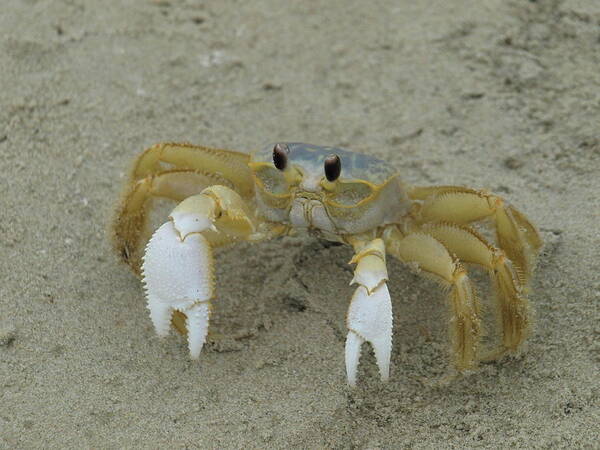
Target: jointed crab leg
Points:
(516, 235)
(231, 165)
(130, 223)
(433, 258)
(370, 313)
(178, 265)
(472, 248)
(174, 171)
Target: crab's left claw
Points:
(178, 272)
(370, 312)
(178, 264)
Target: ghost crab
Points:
(226, 196)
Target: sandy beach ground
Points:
(502, 95)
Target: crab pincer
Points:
(370, 313)
(178, 269)
(178, 274)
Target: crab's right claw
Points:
(370, 313)
(369, 320)
(178, 275)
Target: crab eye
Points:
(333, 167)
(280, 152)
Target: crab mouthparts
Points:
(309, 212)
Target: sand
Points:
(502, 95)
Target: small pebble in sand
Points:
(513, 163)
(8, 334)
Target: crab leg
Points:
(433, 259)
(178, 265)
(129, 229)
(370, 313)
(231, 165)
(472, 248)
(516, 235)
(174, 171)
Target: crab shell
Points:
(367, 195)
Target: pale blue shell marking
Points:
(310, 158)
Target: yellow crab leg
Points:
(229, 164)
(513, 307)
(433, 259)
(192, 169)
(129, 224)
(515, 233)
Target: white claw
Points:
(369, 320)
(189, 222)
(370, 279)
(353, 344)
(160, 314)
(197, 325)
(178, 275)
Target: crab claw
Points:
(369, 320)
(178, 276)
